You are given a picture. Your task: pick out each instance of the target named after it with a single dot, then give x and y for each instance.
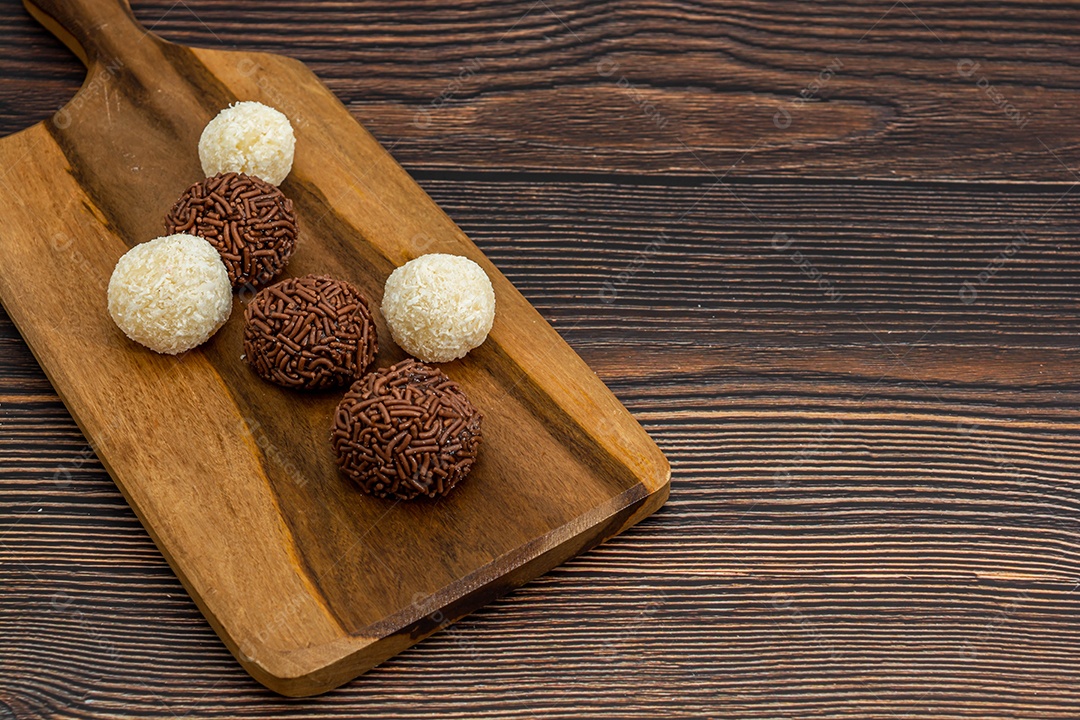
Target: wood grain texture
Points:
(874, 504)
(922, 89)
(308, 581)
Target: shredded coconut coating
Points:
(439, 307)
(248, 138)
(170, 294)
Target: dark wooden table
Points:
(826, 253)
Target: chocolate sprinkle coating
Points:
(406, 431)
(248, 220)
(309, 333)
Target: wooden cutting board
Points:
(308, 581)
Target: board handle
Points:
(95, 30)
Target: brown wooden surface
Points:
(875, 502)
(308, 581)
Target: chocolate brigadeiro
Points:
(406, 431)
(248, 220)
(309, 333)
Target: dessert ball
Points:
(439, 307)
(309, 333)
(248, 138)
(248, 220)
(170, 294)
(406, 431)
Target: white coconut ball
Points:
(248, 138)
(170, 294)
(439, 307)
